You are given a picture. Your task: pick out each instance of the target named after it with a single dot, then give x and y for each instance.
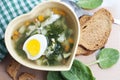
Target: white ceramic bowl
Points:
(73, 20)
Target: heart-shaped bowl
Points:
(16, 23)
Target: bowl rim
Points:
(64, 67)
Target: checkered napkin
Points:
(9, 9)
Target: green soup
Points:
(52, 24)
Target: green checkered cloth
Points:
(9, 9)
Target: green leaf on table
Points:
(107, 57)
(54, 75)
(78, 71)
(89, 4)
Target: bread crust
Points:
(83, 19)
(82, 51)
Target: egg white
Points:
(50, 20)
(43, 41)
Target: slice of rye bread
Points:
(26, 76)
(81, 50)
(83, 19)
(13, 69)
(95, 32)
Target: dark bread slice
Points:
(95, 32)
(26, 76)
(13, 69)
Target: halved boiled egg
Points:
(35, 46)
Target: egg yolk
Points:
(33, 47)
